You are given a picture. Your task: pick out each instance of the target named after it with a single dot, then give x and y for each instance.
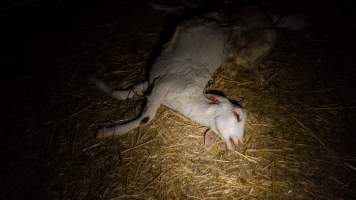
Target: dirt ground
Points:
(299, 138)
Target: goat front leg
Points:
(137, 89)
(153, 102)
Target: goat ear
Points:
(213, 98)
(209, 140)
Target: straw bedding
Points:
(294, 143)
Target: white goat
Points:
(179, 76)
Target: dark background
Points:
(46, 41)
(27, 24)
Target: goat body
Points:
(179, 76)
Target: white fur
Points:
(179, 76)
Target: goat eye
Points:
(237, 117)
